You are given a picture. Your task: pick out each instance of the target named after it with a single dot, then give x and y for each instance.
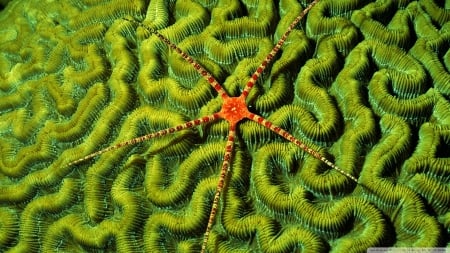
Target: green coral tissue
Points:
(365, 83)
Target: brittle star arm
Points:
(285, 134)
(170, 130)
(199, 68)
(220, 184)
(251, 82)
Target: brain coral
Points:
(365, 82)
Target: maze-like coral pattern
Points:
(365, 82)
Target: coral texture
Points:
(365, 83)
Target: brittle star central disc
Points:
(234, 109)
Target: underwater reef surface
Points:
(366, 83)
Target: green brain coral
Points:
(366, 83)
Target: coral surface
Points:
(366, 83)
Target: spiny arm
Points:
(285, 134)
(251, 82)
(199, 68)
(220, 185)
(146, 137)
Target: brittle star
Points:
(234, 110)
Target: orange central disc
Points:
(234, 109)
